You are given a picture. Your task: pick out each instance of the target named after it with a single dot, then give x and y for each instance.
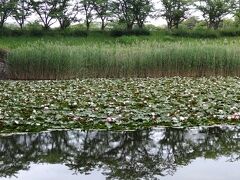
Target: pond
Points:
(162, 153)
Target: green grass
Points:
(104, 38)
(137, 59)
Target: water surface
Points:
(198, 153)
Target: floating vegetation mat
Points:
(118, 104)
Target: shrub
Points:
(35, 32)
(134, 32)
(127, 40)
(75, 33)
(5, 32)
(41, 32)
(196, 33)
(230, 32)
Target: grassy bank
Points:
(139, 59)
(161, 36)
(118, 104)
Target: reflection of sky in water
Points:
(199, 169)
(202, 169)
(54, 172)
(177, 154)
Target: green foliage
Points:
(6, 8)
(127, 40)
(196, 33)
(35, 25)
(135, 32)
(21, 12)
(206, 33)
(34, 32)
(190, 23)
(174, 11)
(130, 12)
(214, 10)
(228, 32)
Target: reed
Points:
(139, 59)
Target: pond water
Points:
(165, 153)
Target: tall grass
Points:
(140, 59)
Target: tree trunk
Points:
(103, 25)
(140, 25)
(46, 27)
(176, 25)
(1, 24)
(169, 25)
(129, 26)
(88, 25)
(21, 26)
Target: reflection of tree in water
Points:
(122, 155)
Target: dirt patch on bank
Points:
(3, 66)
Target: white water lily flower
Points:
(221, 117)
(76, 118)
(174, 119)
(233, 108)
(221, 111)
(153, 115)
(182, 118)
(126, 102)
(46, 108)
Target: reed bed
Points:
(139, 59)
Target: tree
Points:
(66, 13)
(46, 10)
(6, 9)
(22, 11)
(87, 8)
(141, 10)
(236, 11)
(175, 11)
(123, 9)
(191, 22)
(214, 10)
(102, 10)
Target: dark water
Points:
(187, 154)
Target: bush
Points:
(41, 32)
(5, 32)
(206, 33)
(230, 32)
(36, 32)
(16, 32)
(75, 33)
(134, 32)
(127, 40)
(197, 33)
